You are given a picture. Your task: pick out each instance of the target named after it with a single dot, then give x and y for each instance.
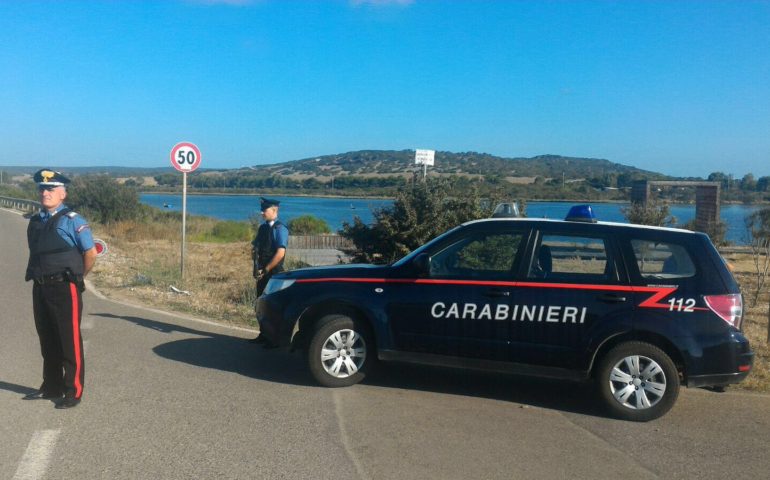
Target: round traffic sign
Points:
(185, 157)
(101, 247)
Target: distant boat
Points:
(167, 205)
(352, 207)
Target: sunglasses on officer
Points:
(46, 188)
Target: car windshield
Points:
(408, 258)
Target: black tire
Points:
(341, 351)
(637, 381)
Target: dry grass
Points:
(755, 322)
(143, 262)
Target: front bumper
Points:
(273, 321)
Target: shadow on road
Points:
(235, 354)
(12, 387)
(224, 352)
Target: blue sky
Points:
(681, 88)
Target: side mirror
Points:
(421, 264)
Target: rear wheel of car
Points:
(638, 381)
(340, 352)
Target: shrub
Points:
(419, 213)
(102, 199)
(231, 231)
(650, 214)
(308, 225)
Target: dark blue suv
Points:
(639, 310)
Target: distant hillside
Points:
(75, 171)
(391, 162)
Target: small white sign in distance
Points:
(424, 157)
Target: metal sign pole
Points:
(185, 157)
(184, 219)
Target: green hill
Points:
(391, 162)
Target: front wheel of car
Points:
(340, 352)
(637, 381)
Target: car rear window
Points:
(662, 260)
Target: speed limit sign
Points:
(185, 157)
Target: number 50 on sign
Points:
(185, 157)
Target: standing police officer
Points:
(61, 253)
(268, 248)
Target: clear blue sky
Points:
(677, 87)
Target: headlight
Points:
(276, 285)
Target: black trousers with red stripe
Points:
(58, 309)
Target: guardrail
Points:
(19, 204)
(317, 242)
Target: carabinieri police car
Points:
(639, 310)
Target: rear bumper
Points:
(745, 364)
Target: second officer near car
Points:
(268, 249)
(61, 253)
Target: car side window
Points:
(482, 256)
(662, 260)
(571, 259)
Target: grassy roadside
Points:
(144, 262)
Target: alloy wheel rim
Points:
(343, 353)
(637, 382)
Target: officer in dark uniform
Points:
(61, 253)
(268, 248)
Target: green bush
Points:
(227, 231)
(650, 214)
(101, 199)
(419, 213)
(231, 231)
(308, 225)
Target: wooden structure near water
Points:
(707, 212)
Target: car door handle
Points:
(497, 293)
(611, 298)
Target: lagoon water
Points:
(335, 211)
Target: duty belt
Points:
(54, 278)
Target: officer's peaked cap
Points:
(50, 178)
(266, 203)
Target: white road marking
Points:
(34, 463)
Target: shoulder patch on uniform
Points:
(82, 227)
(72, 214)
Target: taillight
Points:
(728, 307)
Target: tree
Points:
(650, 214)
(419, 213)
(758, 228)
(720, 177)
(308, 225)
(748, 183)
(102, 199)
(763, 184)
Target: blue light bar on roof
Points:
(581, 213)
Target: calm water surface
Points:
(335, 211)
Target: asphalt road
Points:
(173, 397)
